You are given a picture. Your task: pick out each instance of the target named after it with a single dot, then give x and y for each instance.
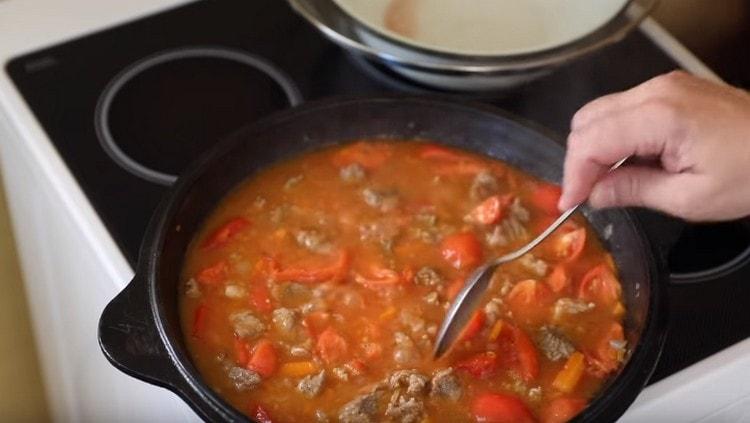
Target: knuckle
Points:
(627, 191)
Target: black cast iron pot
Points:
(139, 330)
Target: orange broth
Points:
(319, 277)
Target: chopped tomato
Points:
(260, 297)
(559, 279)
(599, 285)
(474, 326)
(606, 357)
(199, 321)
(462, 250)
(241, 352)
(545, 197)
(482, 365)
(562, 409)
(381, 278)
(500, 408)
(263, 358)
(491, 210)
(331, 346)
(316, 322)
(517, 352)
(222, 235)
(437, 152)
(334, 272)
(261, 415)
(370, 155)
(407, 275)
(530, 300)
(213, 274)
(569, 244)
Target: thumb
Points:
(641, 186)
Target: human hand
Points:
(695, 132)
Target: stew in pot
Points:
(314, 292)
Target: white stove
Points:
(77, 244)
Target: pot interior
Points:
(472, 128)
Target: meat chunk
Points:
(403, 409)
(445, 384)
(352, 173)
(284, 319)
(553, 344)
(383, 201)
(414, 382)
(483, 185)
(412, 321)
(537, 266)
(428, 276)
(246, 325)
(361, 409)
(234, 291)
(243, 379)
(192, 289)
(293, 182)
(321, 416)
(311, 385)
(512, 228)
(565, 306)
(314, 241)
(493, 310)
(405, 351)
(383, 231)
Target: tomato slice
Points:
(517, 352)
(562, 409)
(500, 408)
(334, 272)
(331, 346)
(529, 300)
(545, 197)
(214, 274)
(474, 326)
(600, 286)
(462, 250)
(241, 352)
(569, 244)
(491, 210)
(559, 280)
(222, 235)
(316, 322)
(263, 358)
(200, 319)
(381, 278)
(606, 358)
(260, 297)
(481, 365)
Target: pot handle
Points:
(130, 341)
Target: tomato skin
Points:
(562, 409)
(559, 280)
(333, 272)
(462, 250)
(213, 275)
(260, 298)
(200, 321)
(491, 210)
(518, 352)
(223, 234)
(500, 408)
(241, 352)
(529, 300)
(604, 359)
(474, 326)
(331, 346)
(570, 244)
(481, 365)
(600, 286)
(263, 358)
(545, 197)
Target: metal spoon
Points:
(472, 293)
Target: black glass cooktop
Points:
(129, 107)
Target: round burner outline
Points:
(101, 124)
